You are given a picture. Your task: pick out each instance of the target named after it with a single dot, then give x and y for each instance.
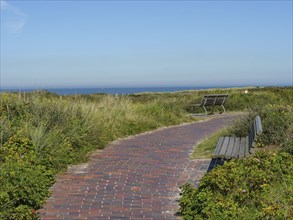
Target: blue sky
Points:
(145, 43)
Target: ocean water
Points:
(130, 90)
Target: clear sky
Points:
(145, 43)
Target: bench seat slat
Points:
(250, 137)
(246, 152)
(236, 147)
(235, 151)
(218, 147)
(224, 147)
(242, 147)
(230, 148)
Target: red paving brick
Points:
(135, 178)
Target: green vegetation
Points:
(205, 149)
(258, 187)
(42, 133)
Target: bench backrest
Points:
(255, 132)
(211, 100)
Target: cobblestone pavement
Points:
(134, 178)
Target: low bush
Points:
(277, 123)
(258, 187)
(288, 142)
(24, 182)
(277, 120)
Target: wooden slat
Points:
(210, 101)
(258, 125)
(221, 99)
(216, 99)
(246, 152)
(242, 147)
(254, 130)
(255, 137)
(251, 137)
(224, 147)
(230, 148)
(235, 152)
(234, 147)
(218, 147)
(217, 95)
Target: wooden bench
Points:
(236, 147)
(212, 100)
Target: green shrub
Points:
(277, 123)
(276, 119)
(288, 141)
(255, 188)
(241, 125)
(24, 183)
(23, 189)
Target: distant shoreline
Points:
(125, 90)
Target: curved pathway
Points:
(135, 178)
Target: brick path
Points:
(135, 178)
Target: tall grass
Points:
(42, 133)
(58, 126)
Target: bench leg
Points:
(205, 110)
(223, 108)
(215, 162)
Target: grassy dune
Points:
(42, 133)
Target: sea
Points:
(120, 91)
(114, 90)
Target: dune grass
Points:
(42, 133)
